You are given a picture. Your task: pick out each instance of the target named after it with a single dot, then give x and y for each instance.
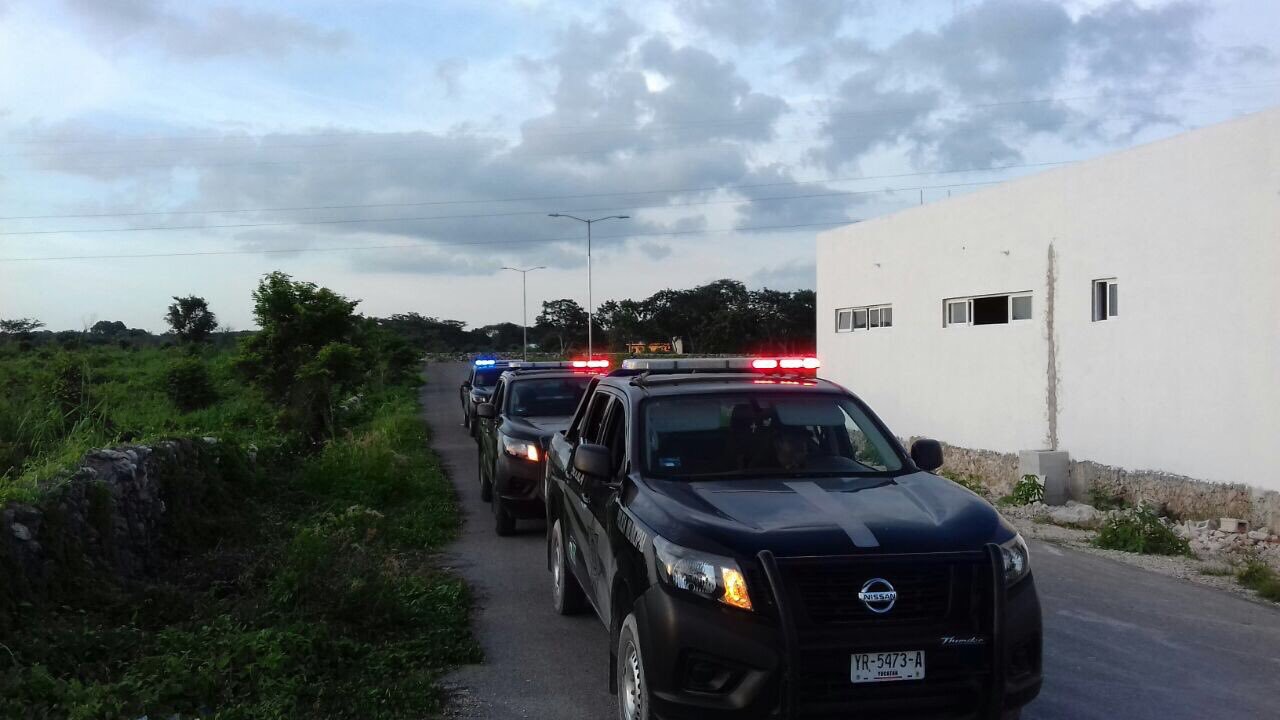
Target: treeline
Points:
(719, 317)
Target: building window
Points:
(860, 319)
(844, 320)
(1020, 307)
(1106, 299)
(864, 318)
(987, 309)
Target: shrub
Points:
(1027, 490)
(69, 385)
(189, 385)
(1140, 530)
(1106, 496)
(1257, 575)
(973, 483)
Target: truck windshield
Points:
(486, 377)
(750, 434)
(546, 397)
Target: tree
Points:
(502, 337)
(191, 319)
(563, 322)
(108, 329)
(19, 328)
(306, 351)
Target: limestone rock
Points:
(1076, 514)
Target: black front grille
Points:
(939, 595)
(828, 593)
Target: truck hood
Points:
(531, 428)
(918, 512)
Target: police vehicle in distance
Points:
(530, 402)
(477, 388)
(759, 545)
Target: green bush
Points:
(1027, 490)
(1106, 496)
(1140, 530)
(970, 482)
(1257, 575)
(189, 384)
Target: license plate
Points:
(887, 666)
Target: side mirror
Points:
(486, 411)
(926, 454)
(592, 460)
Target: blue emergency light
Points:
(486, 363)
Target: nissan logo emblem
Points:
(878, 595)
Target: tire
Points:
(486, 487)
(635, 702)
(566, 594)
(504, 523)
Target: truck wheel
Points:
(504, 523)
(486, 487)
(633, 689)
(566, 593)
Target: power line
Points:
(574, 130)
(538, 198)
(673, 233)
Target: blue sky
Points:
(403, 152)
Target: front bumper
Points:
(781, 664)
(519, 483)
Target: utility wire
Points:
(433, 244)
(579, 196)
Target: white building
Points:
(1124, 309)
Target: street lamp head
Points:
(553, 214)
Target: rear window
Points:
(546, 397)
(753, 434)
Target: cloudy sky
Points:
(402, 152)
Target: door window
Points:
(594, 419)
(614, 436)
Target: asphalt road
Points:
(1120, 642)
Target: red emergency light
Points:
(592, 364)
(786, 363)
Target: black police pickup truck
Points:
(530, 402)
(759, 545)
(478, 387)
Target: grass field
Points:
(315, 596)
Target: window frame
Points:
(867, 312)
(967, 301)
(1104, 305)
(847, 313)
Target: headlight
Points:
(1017, 561)
(523, 449)
(710, 576)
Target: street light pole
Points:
(524, 302)
(590, 305)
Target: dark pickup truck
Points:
(530, 402)
(478, 387)
(759, 545)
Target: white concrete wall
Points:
(1185, 380)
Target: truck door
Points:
(601, 493)
(578, 515)
(488, 430)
